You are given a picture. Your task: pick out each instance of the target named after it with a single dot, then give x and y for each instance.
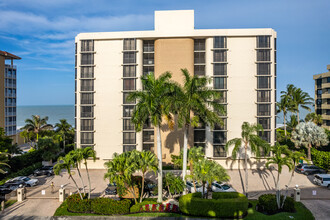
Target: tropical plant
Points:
(195, 103)
(65, 163)
(250, 141)
(292, 124)
(3, 160)
(284, 105)
(153, 104)
(146, 161)
(208, 171)
(77, 157)
(49, 148)
(313, 117)
(88, 153)
(63, 128)
(280, 157)
(301, 100)
(36, 125)
(309, 134)
(28, 136)
(6, 144)
(174, 184)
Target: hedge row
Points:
(20, 162)
(222, 205)
(102, 206)
(267, 204)
(137, 207)
(23, 172)
(321, 158)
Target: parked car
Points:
(46, 170)
(111, 189)
(29, 182)
(4, 189)
(308, 169)
(149, 187)
(13, 185)
(220, 187)
(199, 188)
(322, 180)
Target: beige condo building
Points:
(241, 63)
(8, 91)
(322, 96)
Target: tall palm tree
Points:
(87, 153)
(66, 163)
(292, 124)
(280, 157)
(152, 104)
(76, 157)
(37, 124)
(313, 117)
(250, 140)
(63, 128)
(146, 161)
(195, 154)
(284, 105)
(194, 102)
(301, 99)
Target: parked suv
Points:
(29, 182)
(322, 180)
(47, 170)
(308, 169)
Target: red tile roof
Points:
(9, 55)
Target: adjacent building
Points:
(322, 96)
(241, 63)
(8, 91)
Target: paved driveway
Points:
(319, 208)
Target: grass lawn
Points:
(302, 213)
(9, 203)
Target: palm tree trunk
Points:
(298, 116)
(75, 183)
(81, 179)
(246, 172)
(142, 190)
(278, 194)
(284, 125)
(89, 181)
(185, 150)
(191, 174)
(309, 151)
(160, 166)
(64, 142)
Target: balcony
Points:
(10, 114)
(10, 85)
(10, 95)
(10, 123)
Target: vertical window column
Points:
(199, 57)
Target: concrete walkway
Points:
(319, 208)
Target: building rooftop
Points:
(9, 56)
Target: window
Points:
(263, 96)
(129, 44)
(148, 147)
(264, 122)
(318, 101)
(265, 136)
(148, 46)
(87, 85)
(87, 137)
(87, 72)
(328, 91)
(87, 45)
(128, 111)
(219, 137)
(327, 122)
(148, 136)
(128, 125)
(219, 151)
(319, 82)
(220, 42)
(148, 59)
(263, 109)
(263, 69)
(263, 55)
(148, 70)
(263, 82)
(220, 83)
(75, 48)
(222, 126)
(86, 125)
(129, 138)
(129, 84)
(129, 57)
(219, 69)
(87, 59)
(147, 124)
(199, 135)
(328, 79)
(328, 101)
(86, 111)
(327, 112)
(127, 148)
(219, 56)
(263, 42)
(319, 92)
(125, 101)
(319, 111)
(223, 97)
(129, 71)
(199, 44)
(87, 98)
(199, 70)
(199, 57)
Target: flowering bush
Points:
(160, 208)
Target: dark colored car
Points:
(13, 185)
(149, 187)
(4, 189)
(47, 170)
(308, 169)
(111, 189)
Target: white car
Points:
(322, 180)
(29, 182)
(199, 188)
(219, 187)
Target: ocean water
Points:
(54, 113)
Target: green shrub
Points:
(23, 172)
(107, 206)
(224, 206)
(137, 207)
(25, 160)
(75, 204)
(321, 158)
(267, 204)
(122, 188)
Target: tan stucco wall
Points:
(2, 92)
(173, 55)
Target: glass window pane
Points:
(87, 137)
(129, 57)
(219, 56)
(86, 72)
(220, 42)
(264, 122)
(219, 151)
(129, 138)
(148, 147)
(148, 70)
(87, 45)
(87, 59)
(199, 44)
(263, 55)
(129, 71)
(220, 69)
(199, 135)
(263, 96)
(263, 42)
(129, 84)
(148, 136)
(128, 125)
(199, 70)
(87, 98)
(87, 111)
(128, 111)
(220, 83)
(125, 101)
(148, 46)
(199, 57)
(263, 82)
(129, 44)
(148, 58)
(86, 125)
(87, 85)
(263, 109)
(219, 137)
(263, 69)
(129, 148)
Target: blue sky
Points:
(42, 32)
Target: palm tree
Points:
(37, 124)
(308, 134)
(313, 117)
(76, 157)
(87, 153)
(66, 163)
(63, 128)
(250, 139)
(194, 102)
(152, 104)
(174, 184)
(146, 161)
(195, 154)
(284, 105)
(3, 160)
(292, 124)
(301, 99)
(280, 157)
